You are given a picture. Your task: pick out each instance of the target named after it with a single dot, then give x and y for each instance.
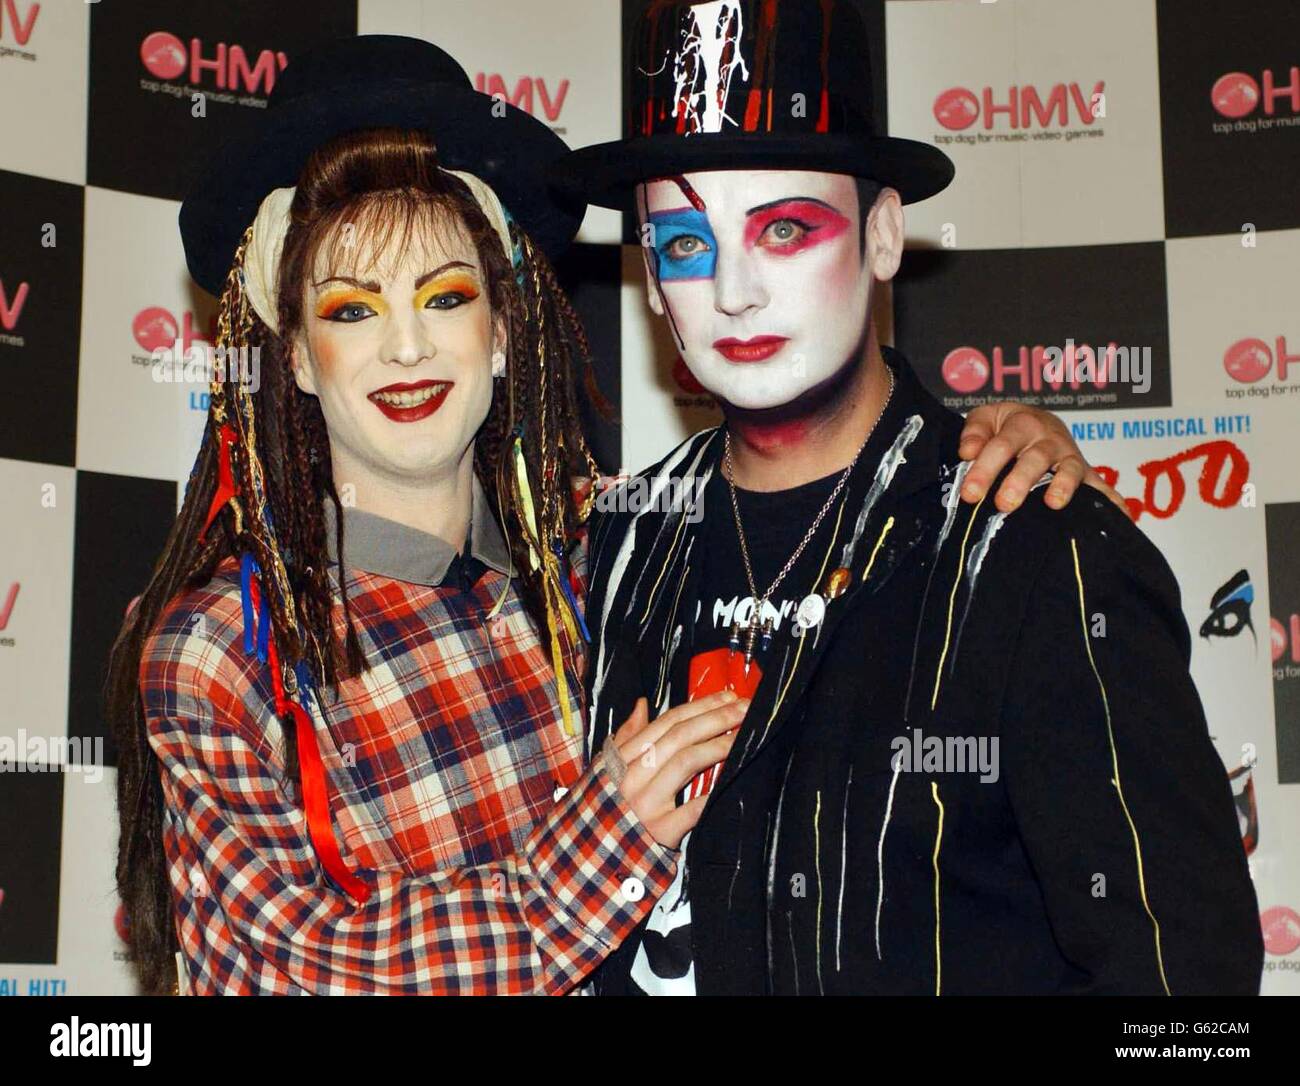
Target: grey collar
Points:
(385, 547)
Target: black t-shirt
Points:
(775, 523)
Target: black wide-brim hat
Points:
(746, 85)
(363, 82)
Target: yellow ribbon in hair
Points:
(534, 540)
(557, 607)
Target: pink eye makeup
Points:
(793, 226)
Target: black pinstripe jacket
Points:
(852, 845)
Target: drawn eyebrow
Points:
(373, 287)
(439, 270)
(789, 200)
(362, 284)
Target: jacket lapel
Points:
(653, 577)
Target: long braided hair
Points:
(375, 181)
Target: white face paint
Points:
(766, 286)
(399, 360)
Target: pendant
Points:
(751, 634)
(744, 637)
(837, 582)
(812, 609)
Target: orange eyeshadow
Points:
(454, 283)
(330, 304)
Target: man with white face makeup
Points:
(974, 761)
(783, 327)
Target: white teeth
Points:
(409, 398)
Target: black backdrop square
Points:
(122, 523)
(122, 113)
(945, 299)
(38, 411)
(1282, 531)
(1216, 181)
(31, 811)
(592, 277)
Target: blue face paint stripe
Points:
(677, 223)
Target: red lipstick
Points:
(410, 402)
(749, 350)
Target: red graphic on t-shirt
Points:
(711, 673)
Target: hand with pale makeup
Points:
(1038, 441)
(664, 755)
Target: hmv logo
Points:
(1237, 94)
(1251, 360)
(14, 26)
(228, 66)
(11, 308)
(1285, 639)
(968, 369)
(529, 93)
(958, 108)
(155, 329)
(7, 606)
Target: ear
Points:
(500, 342)
(652, 295)
(645, 232)
(300, 362)
(884, 235)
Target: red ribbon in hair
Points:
(225, 476)
(315, 791)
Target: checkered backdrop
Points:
(1125, 176)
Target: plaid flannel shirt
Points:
(498, 863)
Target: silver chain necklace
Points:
(758, 624)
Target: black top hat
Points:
(749, 84)
(362, 82)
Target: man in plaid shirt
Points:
(498, 864)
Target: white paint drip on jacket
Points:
(844, 869)
(662, 707)
(619, 567)
(977, 555)
(771, 865)
(880, 851)
(952, 502)
(885, 471)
